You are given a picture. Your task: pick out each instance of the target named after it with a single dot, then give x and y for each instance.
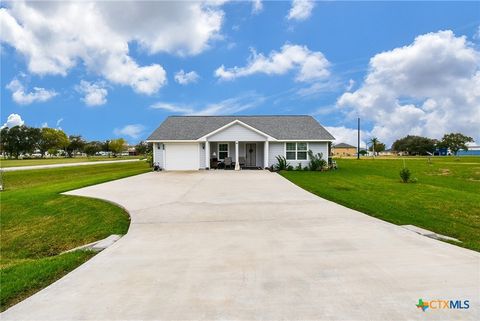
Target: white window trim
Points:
(296, 151)
(218, 150)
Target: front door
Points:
(251, 157)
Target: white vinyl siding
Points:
(158, 154)
(201, 151)
(236, 132)
(260, 154)
(275, 149)
(279, 148)
(319, 147)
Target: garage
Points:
(181, 156)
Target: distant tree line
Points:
(418, 145)
(23, 140)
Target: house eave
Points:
(205, 137)
(172, 141)
(306, 140)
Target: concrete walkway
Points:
(249, 245)
(26, 168)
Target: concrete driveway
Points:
(250, 245)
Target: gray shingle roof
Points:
(279, 127)
(343, 145)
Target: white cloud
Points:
(429, 87)
(351, 84)
(174, 108)
(310, 65)
(95, 94)
(185, 78)
(13, 120)
(301, 9)
(20, 96)
(132, 131)
(347, 135)
(225, 107)
(257, 6)
(44, 125)
(59, 121)
(231, 106)
(319, 87)
(56, 36)
(476, 36)
(325, 110)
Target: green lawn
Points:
(37, 224)
(59, 160)
(445, 199)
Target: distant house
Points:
(343, 149)
(473, 150)
(132, 151)
(387, 152)
(204, 142)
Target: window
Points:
(222, 151)
(296, 151)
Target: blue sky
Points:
(403, 67)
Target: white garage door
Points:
(181, 157)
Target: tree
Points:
(374, 141)
(379, 147)
(3, 139)
(76, 144)
(63, 141)
(53, 151)
(52, 138)
(414, 145)
(116, 146)
(91, 148)
(31, 138)
(455, 142)
(143, 148)
(106, 146)
(19, 140)
(376, 145)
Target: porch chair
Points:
(214, 163)
(241, 161)
(228, 162)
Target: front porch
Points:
(236, 154)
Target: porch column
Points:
(237, 165)
(207, 154)
(265, 154)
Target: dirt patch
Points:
(440, 172)
(444, 172)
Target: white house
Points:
(203, 142)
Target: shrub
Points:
(405, 175)
(282, 163)
(150, 158)
(289, 168)
(299, 167)
(317, 163)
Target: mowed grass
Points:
(446, 198)
(38, 223)
(58, 160)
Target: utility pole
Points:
(358, 138)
